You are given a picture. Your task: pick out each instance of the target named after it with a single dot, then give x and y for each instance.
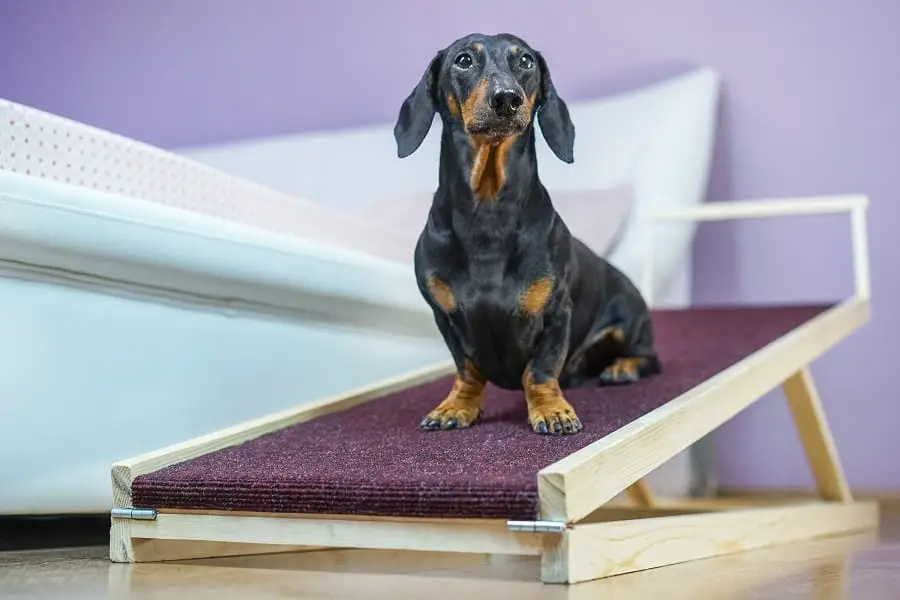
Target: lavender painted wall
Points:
(811, 106)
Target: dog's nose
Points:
(506, 102)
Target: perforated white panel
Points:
(47, 146)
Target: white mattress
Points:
(131, 323)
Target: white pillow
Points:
(596, 217)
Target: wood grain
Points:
(405, 534)
(815, 435)
(596, 550)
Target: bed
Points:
(152, 296)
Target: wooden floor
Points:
(866, 567)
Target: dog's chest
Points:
(483, 289)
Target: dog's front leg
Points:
(464, 405)
(548, 410)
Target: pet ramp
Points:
(355, 470)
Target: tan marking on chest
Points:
(536, 295)
(489, 167)
(442, 294)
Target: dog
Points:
(518, 300)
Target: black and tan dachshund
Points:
(519, 301)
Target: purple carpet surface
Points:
(374, 460)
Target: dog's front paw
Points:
(460, 409)
(548, 410)
(558, 418)
(623, 370)
(452, 417)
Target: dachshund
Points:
(518, 300)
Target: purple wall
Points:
(811, 106)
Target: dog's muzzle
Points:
(506, 102)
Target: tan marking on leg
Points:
(463, 405)
(535, 297)
(615, 333)
(442, 294)
(548, 410)
(625, 369)
(602, 337)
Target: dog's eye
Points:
(526, 61)
(463, 61)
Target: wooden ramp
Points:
(355, 471)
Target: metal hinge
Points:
(139, 514)
(536, 526)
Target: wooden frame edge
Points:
(597, 550)
(614, 542)
(887, 499)
(339, 531)
(576, 485)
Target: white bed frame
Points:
(148, 298)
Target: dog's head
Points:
(491, 87)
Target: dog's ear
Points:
(553, 116)
(417, 111)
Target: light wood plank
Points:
(576, 485)
(171, 550)
(781, 572)
(490, 537)
(593, 551)
(887, 499)
(815, 435)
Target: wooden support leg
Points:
(812, 427)
(639, 493)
